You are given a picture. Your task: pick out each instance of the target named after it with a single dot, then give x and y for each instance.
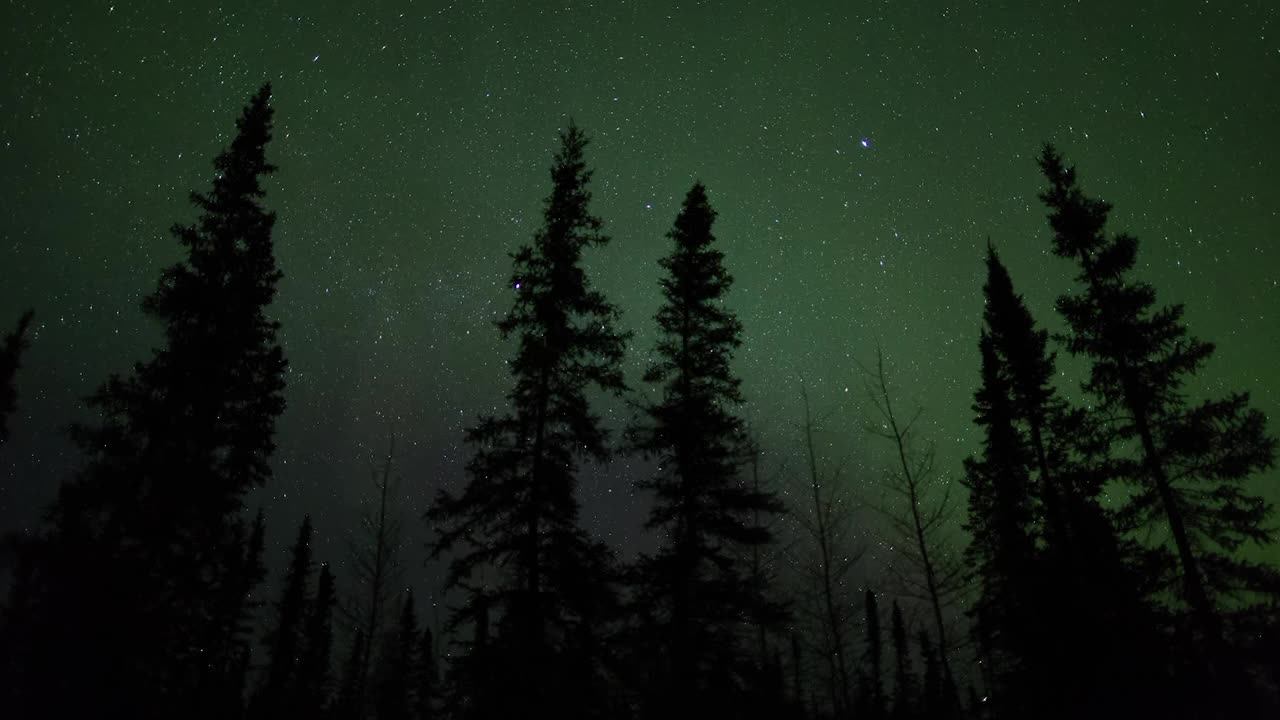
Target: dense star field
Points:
(860, 155)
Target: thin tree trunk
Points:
(836, 659)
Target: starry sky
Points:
(860, 154)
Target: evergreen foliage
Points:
(286, 639)
(696, 587)
(519, 509)
(15, 343)
(1185, 462)
(904, 677)
(140, 583)
(314, 677)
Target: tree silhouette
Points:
(873, 701)
(374, 556)
(144, 571)
(1043, 546)
(828, 525)
(427, 677)
(285, 639)
(696, 586)
(919, 513)
(519, 509)
(904, 677)
(314, 680)
(1189, 461)
(15, 343)
(397, 667)
(348, 701)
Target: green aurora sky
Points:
(860, 154)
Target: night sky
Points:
(860, 154)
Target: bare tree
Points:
(828, 526)
(375, 567)
(919, 510)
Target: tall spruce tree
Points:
(15, 343)
(873, 701)
(286, 639)
(397, 667)
(1002, 551)
(1188, 462)
(427, 680)
(141, 577)
(519, 509)
(314, 678)
(696, 586)
(348, 700)
(904, 677)
(1043, 545)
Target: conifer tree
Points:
(933, 705)
(1189, 461)
(146, 551)
(15, 343)
(313, 673)
(285, 640)
(904, 677)
(396, 672)
(874, 687)
(519, 509)
(347, 701)
(428, 677)
(696, 583)
(1043, 546)
(1002, 551)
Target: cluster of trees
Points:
(1103, 576)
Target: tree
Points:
(15, 343)
(285, 640)
(375, 571)
(1002, 551)
(348, 701)
(873, 692)
(142, 571)
(428, 677)
(1188, 462)
(519, 509)
(696, 584)
(919, 515)
(934, 703)
(397, 667)
(829, 527)
(904, 677)
(1043, 546)
(313, 673)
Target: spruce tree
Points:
(285, 640)
(904, 677)
(1002, 551)
(397, 666)
(15, 343)
(427, 677)
(873, 691)
(519, 509)
(1043, 545)
(347, 701)
(1188, 462)
(313, 682)
(141, 574)
(696, 584)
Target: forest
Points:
(1104, 571)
